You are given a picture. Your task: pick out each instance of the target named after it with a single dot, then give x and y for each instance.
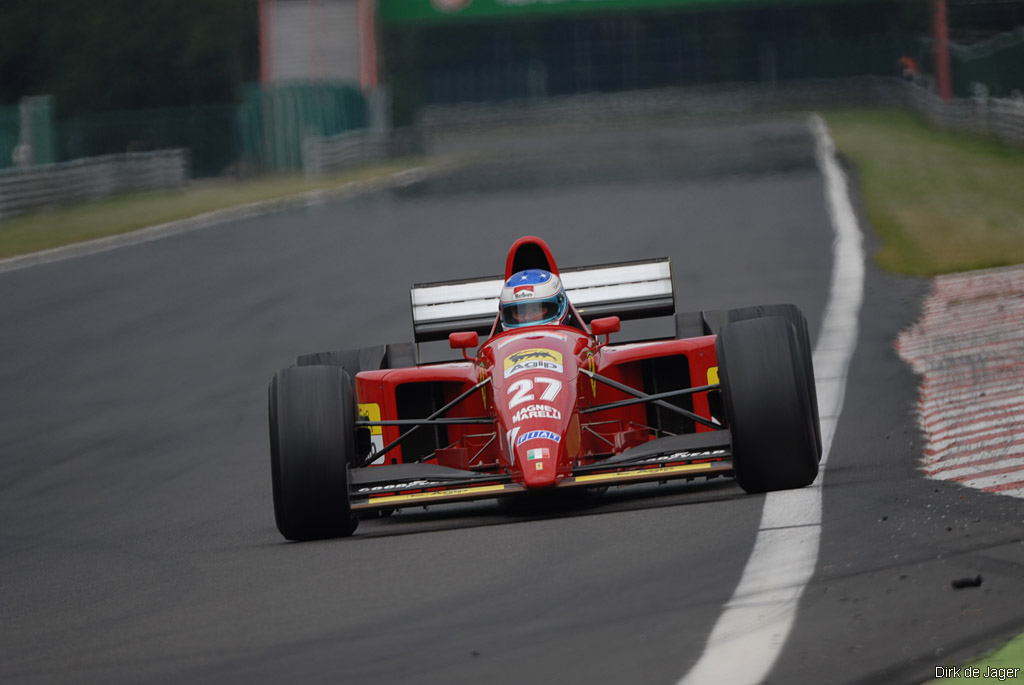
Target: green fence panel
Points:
(10, 130)
(274, 119)
(29, 122)
(38, 128)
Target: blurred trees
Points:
(687, 45)
(126, 54)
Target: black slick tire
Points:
(767, 404)
(312, 435)
(792, 314)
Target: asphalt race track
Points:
(139, 541)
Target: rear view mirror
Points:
(463, 341)
(605, 326)
(460, 341)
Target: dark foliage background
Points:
(127, 54)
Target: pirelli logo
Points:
(536, 359)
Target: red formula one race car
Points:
(546, 403)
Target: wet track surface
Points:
(140, 542)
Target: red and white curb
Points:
(968, 348)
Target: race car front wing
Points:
(693, 455)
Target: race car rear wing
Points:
(629, 290)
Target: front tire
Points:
(312, 438)
(796, 317)
(767, 404)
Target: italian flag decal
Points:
(539, 453)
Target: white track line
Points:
(752, 630)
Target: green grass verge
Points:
(1008, 657)
(63, 226)
(940, 202)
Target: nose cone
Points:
(538, 456)
(534, 384)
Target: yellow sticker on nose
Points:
(533, 360)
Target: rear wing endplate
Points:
(629, 290)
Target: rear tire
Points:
(767, 404)
(312, 435)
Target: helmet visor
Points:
(522, 313)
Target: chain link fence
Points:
(209, 133)
(994, 64)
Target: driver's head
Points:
(533, 297)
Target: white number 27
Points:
(520, 390)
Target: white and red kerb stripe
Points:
(968, 349)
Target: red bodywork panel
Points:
(536, 399)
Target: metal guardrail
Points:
(663, 103)
(1000, 118)
(90, 179)
(322, 155)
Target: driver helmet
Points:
(531, 298)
